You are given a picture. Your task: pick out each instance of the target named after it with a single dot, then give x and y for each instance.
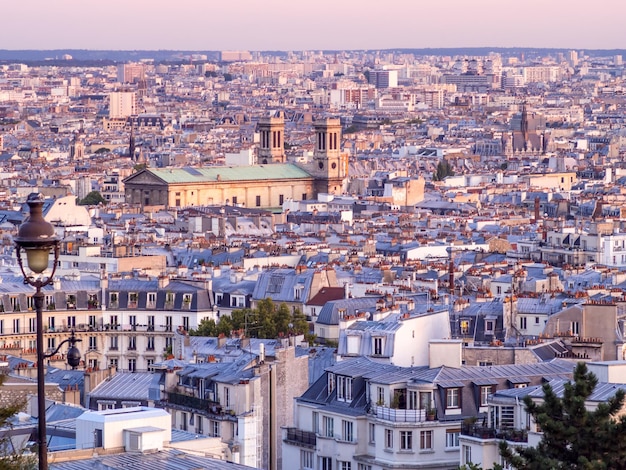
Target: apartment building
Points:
(369, 416)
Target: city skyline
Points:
(287, 25)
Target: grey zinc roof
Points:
(223, 173)
(329, 314)
(170, 459)
(125, 386)
(279, 284)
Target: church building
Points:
(266, 185)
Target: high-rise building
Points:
(383, 78)
(131, 73)
(122, 104)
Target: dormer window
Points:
(331, 382)
(298, 290)
(378, 345)
(132, 299)
(344, 388)
(113, 300)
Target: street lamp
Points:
(37, 237)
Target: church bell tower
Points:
(330, 166)
(272, 140)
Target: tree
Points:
(443, 169)
(9, 457)
(92, 199)
(574, 438)
(206, 327)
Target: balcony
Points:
(299, 437)
(484, 432)
(400, 416)
(195, 403)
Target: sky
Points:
(310, 25)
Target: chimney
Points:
(163, 281)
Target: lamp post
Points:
(37, 238)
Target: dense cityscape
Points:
(313, 260)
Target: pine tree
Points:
(574, 438)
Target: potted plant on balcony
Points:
(430, 414)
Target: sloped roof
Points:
(224, 173)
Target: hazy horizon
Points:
(283, 25)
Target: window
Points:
(93, 344)
(214, 428)
(226, 397)
(150, 322)
(150, 346)
(306, 459)
(426, 440)
(132, 343)
(406, 440)
(344, 465)
(426, 399)
(281, 199)
(344, 388)
(16, 325)
(316, 422)
(372, 433)
(183, 421)
(113, 362)
(114, 342)
(51, 323)
(347, 430)
(331, 382)
(488, 326)
(132, 319)
(502, 417)
(452, 398)
(234, 200)
(364, 466)
(380, 396)
(328, 424)
(92, 321)
(452, 438)
(388, 438)
(71, 321)
(258, 201)
(522, 323)
(536, 320)
(575, 328)
(151, 303)
(168, 323)
(467, 454)
(412, 403)
(326, 463)
(149, 363)
(113, 299)
(199, 425)
(378, 346)
(186, 323)
(132, 365)
(32, 325)
(132, 299)
(485, 391)
(464, 327)
(52, 344)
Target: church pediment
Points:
(144, 177)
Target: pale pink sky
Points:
(316, 24)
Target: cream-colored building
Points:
(263, 186)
